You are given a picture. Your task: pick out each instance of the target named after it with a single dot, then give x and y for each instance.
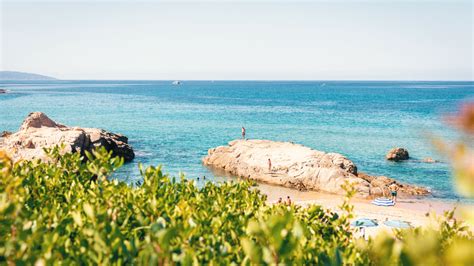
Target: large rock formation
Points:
(397, 154)
(39, 131)
(292, 165)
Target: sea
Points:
(175, 125)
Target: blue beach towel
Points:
(364, 222)
(397, 224)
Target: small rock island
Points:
(39, 131)
(296, 166)
(397, 154)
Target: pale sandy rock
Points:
(37, 120)
(297, 166)
(293, 165)
(39, 131)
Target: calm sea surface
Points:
(175, 125)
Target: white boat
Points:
(176, 82)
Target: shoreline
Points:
(414, 211)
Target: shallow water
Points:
(176, 125)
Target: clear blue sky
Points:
(388, 40)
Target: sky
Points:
(266, 40)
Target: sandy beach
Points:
(414, 211)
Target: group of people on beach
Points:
(287, 202)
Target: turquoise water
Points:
(176, 125)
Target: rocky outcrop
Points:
(39, 131)
(379, 186)
(397, 154)
(291, 165)
(3, 91)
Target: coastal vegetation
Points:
(68, 210)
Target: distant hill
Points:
(14, 75)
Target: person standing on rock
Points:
(269, 164)
(243, 133)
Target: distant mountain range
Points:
(14, 75)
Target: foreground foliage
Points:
(68, 211)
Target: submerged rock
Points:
(290, 165)
(397, 154)
(3, 91)
(39, 131)
(429, 160)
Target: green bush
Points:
(66, 211)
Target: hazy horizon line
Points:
(255, 80)
(53, 78)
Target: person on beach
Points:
(269, 164)
(288, 201)
(393, 192)
(243, 133)
(280, 200)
